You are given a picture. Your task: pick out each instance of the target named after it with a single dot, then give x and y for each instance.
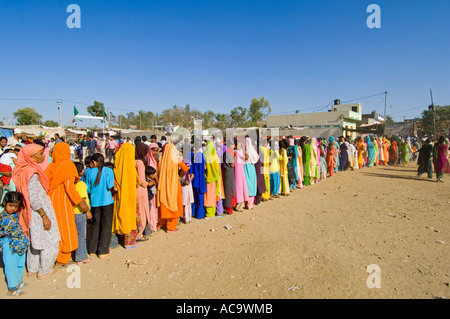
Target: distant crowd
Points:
(65, 203)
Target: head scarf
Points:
(253, 155)
(212, 163)
(61, 168)
(168, 178)
(151, 161)
(141, 152)
(125, 174)
(25, 168)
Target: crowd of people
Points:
(61, 206)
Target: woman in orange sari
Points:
(386, 147)
(169, 196)
(361, 151)
(62, 173)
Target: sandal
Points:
(173, 231)
(16, 292)
(51, 272)
(105, 255)
(31, 274)
(145, 238)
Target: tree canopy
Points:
(27, 116)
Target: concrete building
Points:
(336, 122)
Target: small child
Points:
(7, 160)
(14, 243)
(80, 254)
(188, 196)
(150, 175)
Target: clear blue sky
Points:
(219, 54)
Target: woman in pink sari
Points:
(440, 150)
(239, 178)
(151, 161)
(141, 189)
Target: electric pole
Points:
(59, 108)
(431, 108)
(385, 103)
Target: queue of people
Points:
(57, 211)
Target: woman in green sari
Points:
(212, 178)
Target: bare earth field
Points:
(316, 243)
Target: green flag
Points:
(75, 111)
(104, 114)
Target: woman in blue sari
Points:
(370, 151)
(198, 183)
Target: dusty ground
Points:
(316, 243)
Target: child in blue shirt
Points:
(100, 184)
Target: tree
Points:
(389, 119)
(239, 117)
(27, 116)
(208, 119)
(98, 109)
(442, 114)
(258, 111)
(51, 123)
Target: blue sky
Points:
(219, 54)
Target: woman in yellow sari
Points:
(125, 219)
(266, 162)
(284, 178)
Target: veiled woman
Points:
(37, 217)
(141, 151)
(151, 161)
(169, 196)
(228, 177)
(62, 173)
(250, 171)
(212, 178)
(126, 216)
(198, 184)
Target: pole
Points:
(59, 108)
(385, 105)
(434, 116)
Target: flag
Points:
(75, 111)
(104, 114)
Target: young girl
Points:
(100, 183)
(80, 254)
(150, 175)
(188, 195)
(14, 244)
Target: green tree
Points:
(208, 118)
(258, 110)
(27, 116)
(51, 123)
(389, 119)
(442, 114)
(97, 109)
(239, 117)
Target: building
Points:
(341, 120)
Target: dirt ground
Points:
(316, 243)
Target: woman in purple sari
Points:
(440, 157)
